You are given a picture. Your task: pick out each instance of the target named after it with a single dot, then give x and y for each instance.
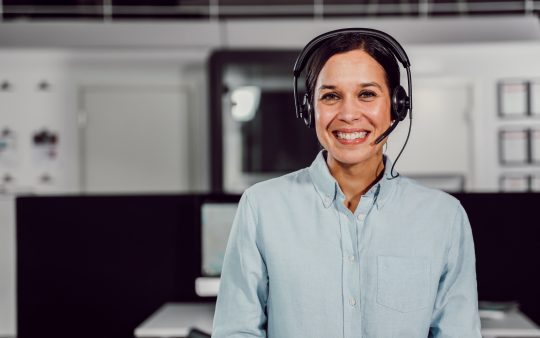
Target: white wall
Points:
(59, 109)
(182, 69)
(483, 66)
(168, 55)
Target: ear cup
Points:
(306, 111)
(400, 104)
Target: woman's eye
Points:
(329, 97)
(367, 94)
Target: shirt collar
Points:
(328, 188)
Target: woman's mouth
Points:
(355, 137)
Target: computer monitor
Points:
(216, 223)
(217, 215)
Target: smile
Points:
(351, 138)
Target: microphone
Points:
(386, 132)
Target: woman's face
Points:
(352, 107)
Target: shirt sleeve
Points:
(243, 291)
(455, 314)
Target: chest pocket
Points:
(403, 283)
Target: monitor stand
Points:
(207, 286)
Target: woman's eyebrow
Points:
(363, 85)
(327, 87)
(371, 84)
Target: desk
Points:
(513, 324)
(176, 319)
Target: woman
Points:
(345, 248)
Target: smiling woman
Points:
(350, 83)
(352, 105)
(345, 248)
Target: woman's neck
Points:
(356, 179)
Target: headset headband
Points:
(397, 50)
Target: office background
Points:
(110, 103)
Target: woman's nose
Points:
(350, 110)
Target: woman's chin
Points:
(350, 158)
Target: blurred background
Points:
(129, 128)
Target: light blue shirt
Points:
(299, 264)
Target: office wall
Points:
(181, 73)
(480, 67)
(62, 109)
(465, 70)
(170, 58)
(472, 71)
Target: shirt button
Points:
(351, 258)
(352, 302)
(361, 217)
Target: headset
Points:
(401, 101)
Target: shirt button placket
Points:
(354, 301)
(350, 290)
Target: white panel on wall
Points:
(36, 98)
(440, 138)
(7, 267)
(135, 139)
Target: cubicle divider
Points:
(97, 266)
(506, 233)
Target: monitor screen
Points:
(216, 219)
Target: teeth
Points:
(351, 136)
